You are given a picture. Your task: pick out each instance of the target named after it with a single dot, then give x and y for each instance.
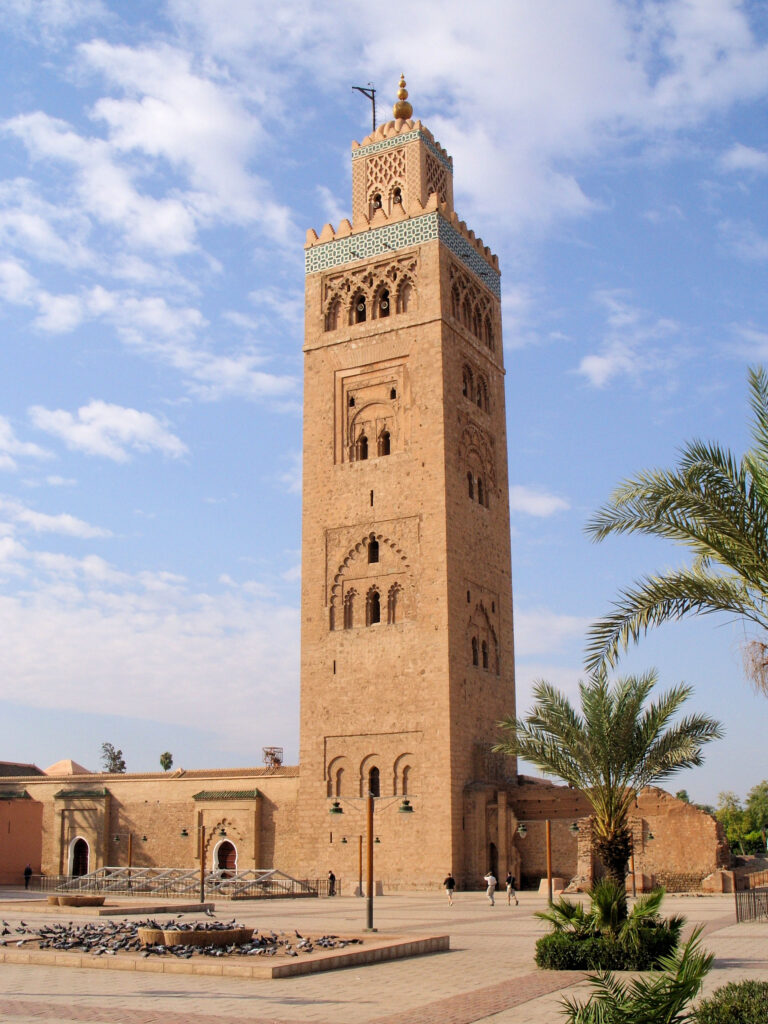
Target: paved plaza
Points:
(487, 976)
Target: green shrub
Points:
(570, 951)
(743, 1002)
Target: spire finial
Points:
(402, 109)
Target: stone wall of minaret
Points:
(407, 656)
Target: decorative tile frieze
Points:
(402, 140)
(392, 237)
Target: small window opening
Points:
(480, 494)
(479, 399)
(360, 310)
(374, 607)
(493, 606)
(334, 668)
(374, 783)
(351, 401)
(349, 610)
(485, 654)
(384, 303)
(474, 651)
(406, 775)
(397, 196)
(371, 499)
(377, 201)
(404, 297)
(373, 549)
(362, 447)
(392, 609)
(384, 443)
(471, 486)
(339, 782)
(393, 393)
(469, 597)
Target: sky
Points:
(160, 163)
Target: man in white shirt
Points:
(490, 881)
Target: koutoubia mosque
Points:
(407, 656)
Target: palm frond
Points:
(658, 599)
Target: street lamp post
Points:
(336, 808)
(201, 840)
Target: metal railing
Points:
(268, 883)
(751, 905)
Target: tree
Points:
(717, 506)
(682, 794)
(112, 760)
(166, 761)
(616, 747)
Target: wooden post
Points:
(202, 863)
(360, 865)
(549, 859)
(632, 871)
(369, 817)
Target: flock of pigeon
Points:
(111, 938)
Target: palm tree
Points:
(716, 505)
(616, 747)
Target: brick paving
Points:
(487, 977)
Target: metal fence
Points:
(752, 905)
(180, 882)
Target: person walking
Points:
(449, 885)
(27, 875)
(331, 884)
(490, 881)
(510, 884)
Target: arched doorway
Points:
(80, 856)
(493, 858)
(226, 857)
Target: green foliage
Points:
(166, 761)
(607, 935)
(620, 743)
(663, 999)
(682, 794)
(743, 1002)
(112, 760)
(715, 505)
(745, 825)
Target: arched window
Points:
(362, 447)
(359, 310)
(351, 401)
(404, 297)
(376, 202)
(475, 654)
(373, 607)
(397, 196)
(466, 312)
(383, 303)
(332, 316)
(80, 855)
(485, 653)
(471, 485)
(226, 857)
(455, 302)
(393, 601)
(339, 782)
(482, 393)
(477, 329)
(467, 383)
(406, 774)
(373, 549)
(488, 333)
(374, 782)
(349, 609)
(384, 443)
(480, 491)
(479, 396)
(393, 393)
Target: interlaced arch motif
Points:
(472, 306)
(437, 178)
(359, 295)
(385, 599)
(474, 386)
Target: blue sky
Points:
(160, 164)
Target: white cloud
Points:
(534, 501)
(84, 634)
(291, 479)
(744, 158)
(100, 428)
(12, 448)
(632, 345)
(541, 631)
(41, 522)
(744, 240)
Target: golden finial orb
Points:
(402, 109)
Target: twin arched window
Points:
(477, 486)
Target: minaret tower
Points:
(407, 653)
